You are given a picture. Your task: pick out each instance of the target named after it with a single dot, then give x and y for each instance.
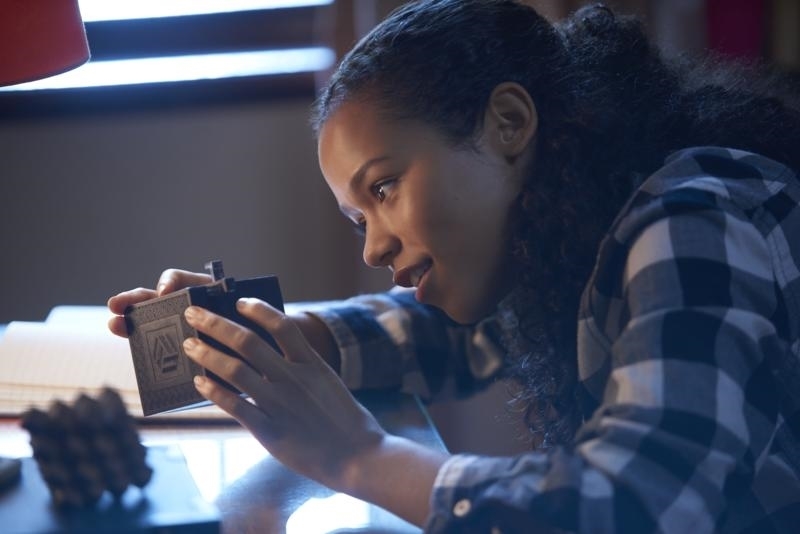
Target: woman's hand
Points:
(300, 411)
(169, 281)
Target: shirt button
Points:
(496, 530)
(462, 508)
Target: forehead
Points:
(348, 130)
(358, 132)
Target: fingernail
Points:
(244, 301)
(199, 381)
(189, 343)
(160, 288)
(191, 313)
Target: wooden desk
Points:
(254, 492)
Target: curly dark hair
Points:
(610, 110)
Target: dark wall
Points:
(91, 205)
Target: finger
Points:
(229, 368)
(119, 303)
(252, 348)
(250, 416)
(284, 331)
(175, 279)
(117, 326)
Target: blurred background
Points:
(108, 176)
(186, 138)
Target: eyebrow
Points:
(358, 176)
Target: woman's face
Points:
(436, 216)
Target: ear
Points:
(511, 120)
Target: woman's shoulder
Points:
(712, 183)
(700, 197)
(743, 183)
(744, 178)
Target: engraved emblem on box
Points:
(164, 348)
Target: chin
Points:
(467, 315)
(466, 311)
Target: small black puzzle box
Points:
(157, 328)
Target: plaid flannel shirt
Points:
(688, 351)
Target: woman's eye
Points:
(381, 189)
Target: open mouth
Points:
(412, 276)
(418, 273)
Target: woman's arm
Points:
(398, 475)
(304, 415)
(389, 340)
(319, 337)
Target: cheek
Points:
(435, 221)
(419, 214)
(455, 205)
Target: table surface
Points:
(254, 492)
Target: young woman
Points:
(616, 236)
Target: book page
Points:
(78, 315)
(44, 361)
(64, 356)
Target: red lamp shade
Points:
(40, 38)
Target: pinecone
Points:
(87, 449)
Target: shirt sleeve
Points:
(687, 413)
(389, 340)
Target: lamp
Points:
(40, 38)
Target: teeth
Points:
(416, 275)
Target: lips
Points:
(411, 276)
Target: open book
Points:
(69, 353)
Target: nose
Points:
(380, 245)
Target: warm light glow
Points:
(215, 460)
(331, 514)
(102, 10)
(215, 463)
(186, 68)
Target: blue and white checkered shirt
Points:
(688, 355)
